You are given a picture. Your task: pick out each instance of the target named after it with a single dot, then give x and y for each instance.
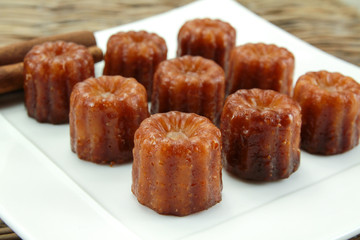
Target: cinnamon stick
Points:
(96, 53)
(15, 53)
(12, 79)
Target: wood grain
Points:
(330, 25)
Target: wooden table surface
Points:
(331, 25)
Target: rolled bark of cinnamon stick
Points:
(12, 78)
(96, 53)
(15, 53)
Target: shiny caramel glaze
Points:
(209, 38)
(259, 65)
(50, 72)
(261, 134)
(177, 163)
(189, 84)
(330, 104)
(135, 54)
(104, 115)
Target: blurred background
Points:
(331, 25)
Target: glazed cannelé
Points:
(330, 104)
(177, 163)
(51, 70)
(104, 115)
(209, 38)
(135, 54)
(261, 135)
(189, 84)
(259, 65)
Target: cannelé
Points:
(330, 104)
(209, 38)
(177, 163)
(104, 115)
(259, 65)
(189, 84)
(51, 70)
(261, 134)
(135, 54)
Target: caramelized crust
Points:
(189, 84)
(135, 54)
(260, 66)
(177, 163)
(51, 70)
(261, 134)
(330, 105)
(209, 38)
(104, 115)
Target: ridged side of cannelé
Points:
(189, 84)
(135, 54)
(261, 135)
(51, 70)
(105, 112)
(259, 65)
(330, 104)
(177, 163)
(209, 38)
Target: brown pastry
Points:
(135, 54)
(264, 66)
(261, 134)
(189, 84)
(209, 38)
(51, 70)
(104, 115)
(177, 163)
(330, 104)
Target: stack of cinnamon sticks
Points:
(12, 56)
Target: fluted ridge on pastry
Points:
(259, 65)
(330, 104)
(51, 70)
(209, 38)
(105, 113)
(135, 54)
(261, 134)
(189, 84)
(177, 175)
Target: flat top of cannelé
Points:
(207, 26)
(110, 90)
(329, 83)
(263, 51)
(266, 104)
(191, 69)
(140, 41)
(175, 127)
(59, 51)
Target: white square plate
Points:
(46, 192)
